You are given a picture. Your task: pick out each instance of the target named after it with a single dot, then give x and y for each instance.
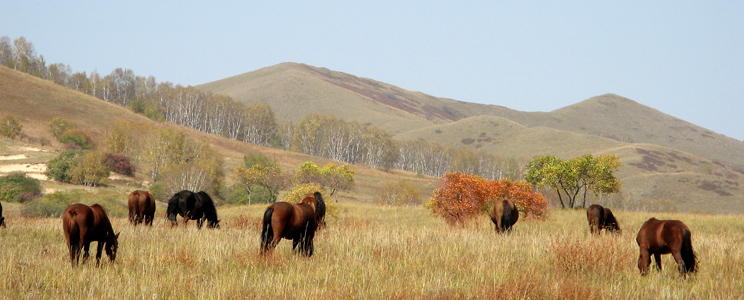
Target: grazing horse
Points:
(192, 206)
(2, 219)
(601, 218)
(659, 237)
(504, 215)
(83, 224)
(296, 222)
(141, 207)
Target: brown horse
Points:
(296, 222)
(141, 207)
(504, 214)
(84, 224)
(659, 237)
(601, 218)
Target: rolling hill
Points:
(35, 102)
(665, 158)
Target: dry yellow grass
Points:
(373, 252)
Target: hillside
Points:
(295, 90)
(665, 158)
(35, 102)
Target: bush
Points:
(59, 167)
(78, 138)
(52, 205)
(90, 170)
(17, 187)
(119, 164)
(59, 125)
(400, 193)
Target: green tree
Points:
(10, 127)
(330, 177)
(571, 177)
(269, 177)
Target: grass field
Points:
(372, 252)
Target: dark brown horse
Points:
(84, 224)
(296, 222)
(141, 207)
(2, 219)
(601, 218)
(504, 215)
(659, 237)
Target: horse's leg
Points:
(72, 245)
(200, 222)
(86, 253)
(657, 257)
(295, 242)
(99, 253)
(644, 260)
(680, 262)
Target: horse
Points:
(141, 207)
(659, 237)
(601, 218)
(296, 222)
(192, 206)
(2, 219)
(84, 224)
(504, 215)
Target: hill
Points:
(35, 102)
(668, 153)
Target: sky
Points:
(683, 58)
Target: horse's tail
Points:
(506, 217)
(320, 211)
(688, 255)
(267, 233)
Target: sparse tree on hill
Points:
(60, 125)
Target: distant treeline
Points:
(345, 141)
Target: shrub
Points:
(59, 125)
(52, 205)
(400, 193)
(119, 164)
(59, 167)
(17, 187)
(77, 137)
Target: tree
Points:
(269, 177)
(90, 170)
(330, 177)
(10, 127)
(571, 177)
(527, 200)
(58, 168)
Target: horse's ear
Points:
(117, 234)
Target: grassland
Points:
(372, 252)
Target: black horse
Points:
(192, 206)
(2, 219)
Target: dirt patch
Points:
(13, 157)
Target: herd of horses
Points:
(298, 222)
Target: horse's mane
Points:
(321, 209)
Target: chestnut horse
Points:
(141, 207)
(601, 218)
(84, 224)
(2, 219)
(659, 237)
(296, 222)
(504, 214)
(192, 206)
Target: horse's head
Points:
(213, 224)
(112, 245)
(2, 221)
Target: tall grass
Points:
(372, 252)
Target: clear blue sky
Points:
(684, 58)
